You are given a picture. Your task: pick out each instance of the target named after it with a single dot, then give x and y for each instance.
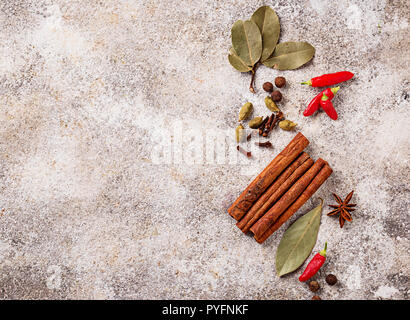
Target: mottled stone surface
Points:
(91, 91)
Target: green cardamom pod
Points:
(271, 104)
(239, 133)
(255, 122)
(287, 125)
(245, 111)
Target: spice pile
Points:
(279, 190)
(263, 125)
(292, 177)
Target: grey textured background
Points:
(89, 209)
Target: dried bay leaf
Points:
(268, 23)
(237, 62)
(290, 55)
(247, 41)
(298, 241)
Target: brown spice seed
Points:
(267, 86)
(316, 298)
(331, 279)
(314, 286)
(280, 82)
(276, 96)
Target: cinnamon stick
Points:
(278, 193)
(255, 189)
(256, 211)
(321, 177)
(263, 224)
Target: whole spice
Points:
(298, 241)
(243, 151)
(326, 102)
(271, 105)
(268, 23)
(316, 298)
(287, 125)
(255, 122)
(275, 191)
(343, 208)
(245, 111)
(314, 265)
(269, 218)
(327, 105)
(266, 144)
(280, 82)
(290, 55)
(239, 133)
(314, 286)
(329, 79)
(331, 279)
(262, 125)
(258, 186)
(276, 96)
(267, 86)
(321, 177)
(268, 125)
(314, 105)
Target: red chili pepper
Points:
(329, 79)
(314, 105)
(326, 102)
(314, 265)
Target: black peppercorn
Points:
(267, 86)
(280, 82)
(276, 96)
(316, 298)
(314, 286)
(331, 279)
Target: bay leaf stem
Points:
(253, 71)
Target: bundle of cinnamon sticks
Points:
(279, 190)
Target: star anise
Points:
(343, 208)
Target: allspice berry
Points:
(314, 286)
(267, 86)
(276, 96)
(280, 82)
(316, 298)
(331, 279)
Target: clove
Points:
(266, 144)
(243, 151)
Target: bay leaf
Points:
(268, 23)
(298, 241)
(247, 41)
(237, 62)
(290, 55)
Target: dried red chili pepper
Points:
(329, 79)
(314, 105)
(326, 102)
(314, 265)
